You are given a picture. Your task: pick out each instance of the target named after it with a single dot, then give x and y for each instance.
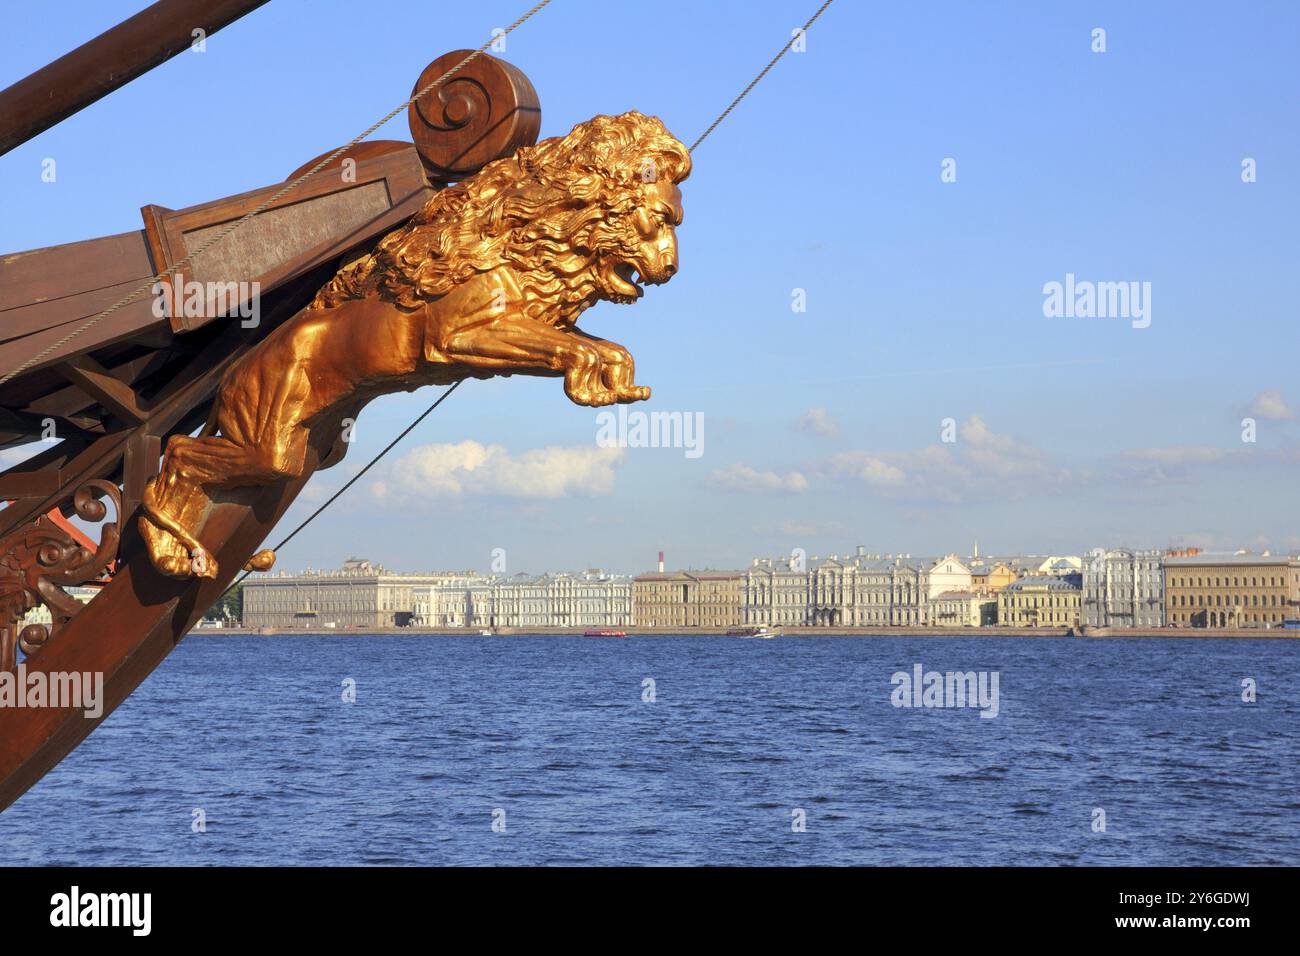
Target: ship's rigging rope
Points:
(351, 481)
(761, 73)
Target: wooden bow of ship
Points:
(103, 401)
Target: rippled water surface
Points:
(551, 735)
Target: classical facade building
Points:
(948, 574)
(773, 594)
(1041, 601)
(963, 609)
(358, 595)
(893, 591)
(1231, 590)
(591, 599)
(681, 600)
(840, 591)
(1123, 588)
(659, 599)
(458, 601)
(362, 595)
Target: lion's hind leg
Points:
(175, 502)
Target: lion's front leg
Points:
(525, 347)
(618, 370)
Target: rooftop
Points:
(1067, 582)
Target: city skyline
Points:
(1136, 591)
(984, 557)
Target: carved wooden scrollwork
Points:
(41, 558)
(487, 109)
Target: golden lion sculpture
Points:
(487, 279)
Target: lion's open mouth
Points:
(620, 280)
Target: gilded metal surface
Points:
(487, 279)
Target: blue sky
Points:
(924, 298)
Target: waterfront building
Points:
(1231, 590)
(677, 600)
(362, 595)
(590, 599)
(831, 590)
(948, 574)
(358, 595)
(773, 594)
(990, 579)
(1041, 600)
(457, 601)
(963, 609)
(593, 599)
(909, 594)
(1123, 588)
(839, 591)
(889, 590)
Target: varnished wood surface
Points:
(110, 60)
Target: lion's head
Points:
(580, 217)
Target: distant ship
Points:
(604, 632)
(764, 632)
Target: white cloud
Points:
(470, 468)
(1177, 455)
(1272, 406)
(741, 477)
(1173, 463)
(872, 469)
(981, 464)
(818, 421)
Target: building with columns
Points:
(590, 599)
(1123, 588)
(359, 595)
(774, 593)
(963, 609)
(839, 591)
(1041, 601)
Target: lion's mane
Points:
(532, 210)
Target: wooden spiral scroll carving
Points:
(486, 110)
(41, 558)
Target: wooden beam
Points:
(139, 464)
(110, 391)
(112, 59)
(34, 484)
(65, 426)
